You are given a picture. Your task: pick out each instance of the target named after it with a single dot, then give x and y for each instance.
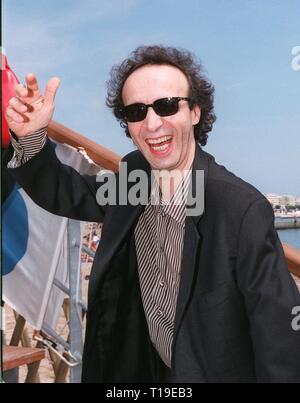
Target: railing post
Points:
(75, 319)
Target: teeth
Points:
(160, 148)
(160, 140)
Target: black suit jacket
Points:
(233, 316)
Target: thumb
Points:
(51, 88)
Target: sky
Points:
(245, 47)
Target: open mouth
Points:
(160, 145)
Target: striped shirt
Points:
(159, 242)
(159, 237)
(26, 147)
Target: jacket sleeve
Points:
(270, 296)
(58, 188)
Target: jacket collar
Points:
(118, 221)
(201, 163)
(192, 244)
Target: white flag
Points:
(34, 246)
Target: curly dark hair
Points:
(201, 90)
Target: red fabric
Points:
(9, 81)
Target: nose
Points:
(152, 120)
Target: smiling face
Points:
(166, 142)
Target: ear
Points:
(196, 114)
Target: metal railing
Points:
(100, 155)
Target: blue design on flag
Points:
(15, 222)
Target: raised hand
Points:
(30, 110)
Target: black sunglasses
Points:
(162, 107)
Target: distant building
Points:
(286, 200)
(274, 199)
(282, 201)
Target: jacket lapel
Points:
(119, 221)
(191, 247)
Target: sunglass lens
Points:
(166, 106)
(135, 112)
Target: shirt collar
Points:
(176, 206)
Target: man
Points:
(172, 297)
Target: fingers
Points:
(31, 88)
(21, 91)
(51, 90)
(13, 116)
(17, 105)
(15, 110)
(32, 83)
